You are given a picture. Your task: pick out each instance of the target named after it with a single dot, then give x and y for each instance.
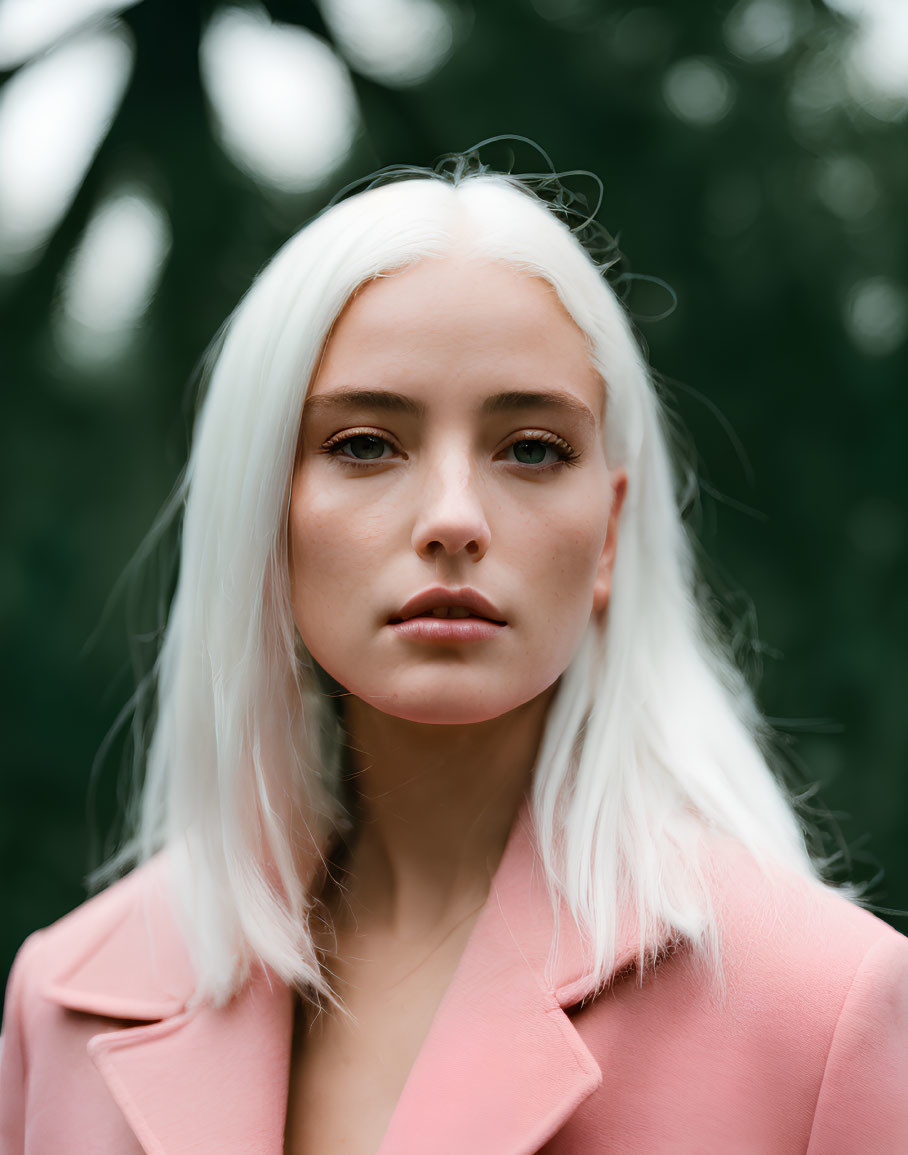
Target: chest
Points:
(347, 1071)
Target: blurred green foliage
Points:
(750, 218)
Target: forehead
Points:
(455, 327)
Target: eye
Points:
(534, 453)
(364, 447)
(542, 450)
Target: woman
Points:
(456, 833)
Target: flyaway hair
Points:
(653, 739)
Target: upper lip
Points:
(438, 596)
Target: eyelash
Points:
(567, 454)
(335, 444)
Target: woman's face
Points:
(451, 452)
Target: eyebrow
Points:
(380, 399)
(523, 399)
(388, 402)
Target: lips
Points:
(448, 604)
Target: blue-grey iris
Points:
(530, 452)
(366, 447)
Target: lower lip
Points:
(447, 629)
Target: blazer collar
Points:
(134, 965)
(501, 1069)
(187, 1078)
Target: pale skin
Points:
(477, 462)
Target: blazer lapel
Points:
(503, 1067)
(186, 1080)
(209, 1080)
(501, 1070)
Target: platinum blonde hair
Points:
(653, 737)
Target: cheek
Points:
(337, 543)
(328, 525)
(560, 553)
(321, 547)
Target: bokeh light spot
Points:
(876, 316)
(697, 91)
(396, 42)
(878, 55)
(847, 186)
(283, 104)
(111, 278)
(28, 27)
(54, 114)
(760, 30)
(817, 91)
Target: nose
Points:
(451, 518)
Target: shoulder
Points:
(800, 1042)
(118, 960)
(797, 947)
(87, 927)
(119, 953)
(89, 921)
(775, 921)
(821, 985)
(796, 957)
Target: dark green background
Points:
(728, 214)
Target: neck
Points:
(436, 805)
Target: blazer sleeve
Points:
(13, 1066)
(862, 1108)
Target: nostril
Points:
(471, 547)
(454, 538)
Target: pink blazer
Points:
(806, 1052)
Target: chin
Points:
(443, 715)
(446, 708)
